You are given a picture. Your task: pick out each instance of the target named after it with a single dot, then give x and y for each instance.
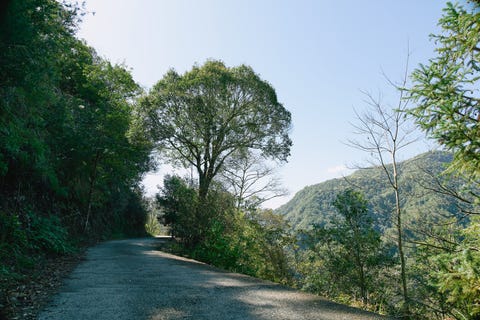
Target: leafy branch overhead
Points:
(447, 88)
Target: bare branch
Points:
(251, 180)
(383, 133)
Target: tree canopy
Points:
(68, 166)
(199, 119)
(447, 87)
(447, 90)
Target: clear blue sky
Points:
(318, 55)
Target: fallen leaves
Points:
(23, 299)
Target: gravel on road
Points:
(131, 279)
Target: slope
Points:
(313, 204)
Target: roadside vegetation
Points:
(410, 249)
(69, 167)
(77, 134)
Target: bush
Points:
(217, 248)
(13, 238)
(48, 235)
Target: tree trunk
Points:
(361, 276)
(203, 186)
(398, 212)
(363, 287)
(93, 177)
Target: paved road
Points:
(130, 279)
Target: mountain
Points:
(313, 204)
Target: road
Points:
(131, 279)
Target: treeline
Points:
(350, 253)
(412, 264)
(423, 260)
(77, 133)
(69, 165)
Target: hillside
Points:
(313, 204)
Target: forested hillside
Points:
(70, 165)
(346, 234)
(313, 205)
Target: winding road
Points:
(131, 279)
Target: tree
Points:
(67, 163)
(385, 133)
(207, 238)
(457, 274)
(450, 266)
(251, 180)
(356, 234)
(95, 141)
(447, 88)
(448, 96)
(33, 35)
(177, 202)
(345, 257)
(201, 118)
(266, 245)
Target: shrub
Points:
(48, 235)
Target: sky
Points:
(320, 56)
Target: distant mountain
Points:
(313, 204)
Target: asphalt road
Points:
(130, 279)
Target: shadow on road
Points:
(131, 279)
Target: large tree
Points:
(447, 88)
(202, 117)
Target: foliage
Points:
(128, 215)
(13, 236)
(23, 243)
(152, 223)
(438, 207)
(447, 93)
(459, 276)
(178, 202)
(357, 236)
(200, 118)
(48, 235)
(252, 243)
(447, 88)
(264, 242)
(69, 167)
(350, 251)
(313, 205)
(453, 271)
